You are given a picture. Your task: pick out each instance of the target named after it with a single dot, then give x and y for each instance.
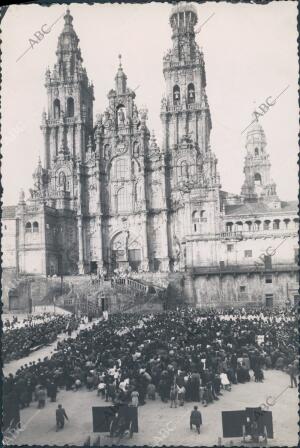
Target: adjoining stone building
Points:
(107, 196)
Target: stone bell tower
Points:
(258, 184)
(192, 178)
(70, 100)
(68, 127)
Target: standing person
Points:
(60, 417)
(181, 395)
(196, 419)
(293, 372)
(135, 398)
(52, 391)
(41, 396)
(173, 396)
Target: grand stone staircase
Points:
(121, 295)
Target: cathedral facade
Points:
(108, 196)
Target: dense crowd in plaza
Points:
(183, 355)
(20, 337)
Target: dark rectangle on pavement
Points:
(103, 415)
(232, 422)
(263, 419)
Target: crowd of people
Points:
(178, 356)
(20, 337)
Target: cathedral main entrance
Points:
(126, 252)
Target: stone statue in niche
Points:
(135, 115)
(106, 119)
(136, 149)
(121, 117)
(62, 181)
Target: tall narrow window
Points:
(56, 109)
(122, 201)
(184, 169)
(121, 169)
(70, 107)
(35, 226)
(28, 227)
(195, 219)
(191, 93)
(176, 94)
(229, 226)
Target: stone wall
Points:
(239, 289)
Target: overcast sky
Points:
(250, 54)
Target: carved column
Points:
(99, 212)
(145, 262)
(46, 147)
(80, 223)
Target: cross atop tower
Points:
(120, 60)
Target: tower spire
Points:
(121, 78)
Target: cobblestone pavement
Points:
(48, 350)
(158, 424)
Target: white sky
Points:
(250, 53)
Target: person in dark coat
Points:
(41, 396)
(52, 391)
(196, 419)
(60, 417)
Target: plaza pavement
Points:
(159, 424)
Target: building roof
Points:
(9, 212)
(253, 208)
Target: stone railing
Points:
(231, 235)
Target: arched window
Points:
(239, 226)
(70, 107)
(276, 224)
(28, 227)
(191, 93)
(121, 170)
(286, 222)
(229, 226)
(176, 94)
(267, 224)
(256, 151)
(35, 226)
(257, 224)
(184, 169)
(257, 179)
(122, 201)
(56, 109)
(296, 223)
(249, 225)
(203, 216)
(195, 219)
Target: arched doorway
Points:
(126, 251)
